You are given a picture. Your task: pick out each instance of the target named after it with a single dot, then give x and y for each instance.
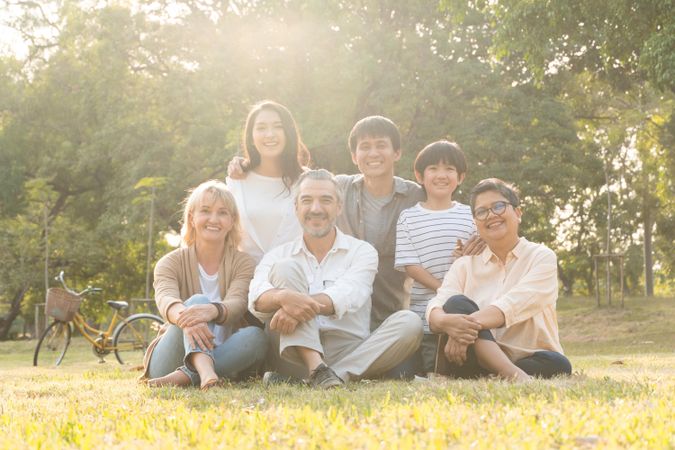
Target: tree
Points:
(622, 48)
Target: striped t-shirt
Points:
(427, 238)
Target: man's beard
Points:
(321, 232)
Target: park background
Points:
(111, 110)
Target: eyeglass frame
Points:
(489, 210)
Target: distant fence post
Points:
(608, 258)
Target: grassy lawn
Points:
(621, 395)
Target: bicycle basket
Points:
(61, 304)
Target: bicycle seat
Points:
(116, 304)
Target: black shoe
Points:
(324, 377)
(272, 378)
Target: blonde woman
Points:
(201, 291)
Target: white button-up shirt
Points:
(345, 275)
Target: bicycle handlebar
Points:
(88, 290)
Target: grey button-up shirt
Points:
(390, 290)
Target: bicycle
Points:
(127, 337)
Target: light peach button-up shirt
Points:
(525, 289)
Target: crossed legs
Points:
(486, 357)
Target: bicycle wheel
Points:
(52, 346)
(131, 337)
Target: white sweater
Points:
(267, 213)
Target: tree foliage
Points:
(111, 100)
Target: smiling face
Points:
(375, 156)
(317, 207)
(268, 133)
(440, 180)
(211, 220)
(497, 229)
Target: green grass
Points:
(621, 395)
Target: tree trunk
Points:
(567, 282)
(649, 266)
(14, 310)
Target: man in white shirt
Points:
(316, 292)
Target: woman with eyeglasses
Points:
(497, 308)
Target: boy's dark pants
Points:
(543, 364)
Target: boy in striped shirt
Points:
(427, 234)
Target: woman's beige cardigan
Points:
(177, 279)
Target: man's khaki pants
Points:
(351, 357)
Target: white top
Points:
(427, 238)
(345, 275)
(267, 213)
(210, 288)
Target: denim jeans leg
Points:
(168, 354)
(241, 354)
(197, 299)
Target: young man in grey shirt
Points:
(373, 201)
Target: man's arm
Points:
(264, 298)
(301, 307)
(260, 286)
(236, 168)
(354, 287)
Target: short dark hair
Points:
(317, 174)
(508, 190)
(374, 126)
(441, 151)
(294, 156)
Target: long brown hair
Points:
(294, 156)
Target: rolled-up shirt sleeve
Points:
(453, 284)
(261, 284)
(536, 290)
(353, 289)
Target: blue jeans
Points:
(236, 358)
(543, 364)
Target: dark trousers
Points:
(543, 364)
